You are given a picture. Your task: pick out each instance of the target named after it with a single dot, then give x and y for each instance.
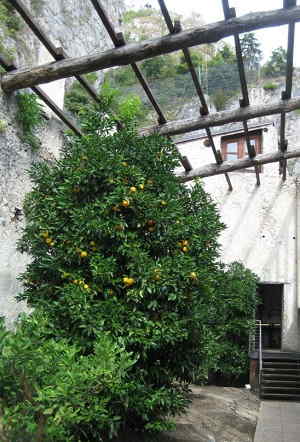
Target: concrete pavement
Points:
(278, 422)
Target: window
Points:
(234, 147)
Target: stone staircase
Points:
(280, 377)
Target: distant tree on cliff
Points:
(251, 51)
(276, 65)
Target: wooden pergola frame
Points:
(130, 54)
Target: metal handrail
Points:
(258, 324)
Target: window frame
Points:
(242, 151)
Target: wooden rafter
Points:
(57, 53)
(134, 52)
(230, 13)
(177, 127)
(118, 40)
(188, 59)
(287, 93)
(8, 67)
(231, 166)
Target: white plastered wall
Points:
(261, 224)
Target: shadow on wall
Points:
(260, 225)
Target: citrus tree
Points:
(124, 259)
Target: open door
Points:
(269, 311)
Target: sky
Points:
(212, 11)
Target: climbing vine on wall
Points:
(29, 116)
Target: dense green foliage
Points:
(10, 23)
(77, 97)
(270, 86)
(251, 52)
(129, 295)
(46, 381)
(229, 320)
(276, 65)
(29, 116)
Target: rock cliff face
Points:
(75, 26)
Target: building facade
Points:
(262, 222)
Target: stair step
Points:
(280, 396)
(281, 376)
(281, 389)
(281, 364)
(281, 382)
(281, 370)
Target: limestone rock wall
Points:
(74, 25)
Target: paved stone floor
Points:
(278, 422)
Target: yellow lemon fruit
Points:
(125, 203)
(185, 249)
(83, 254)
(124, 163)
(142, 186)
(128, 281)
(133, 189)
(193, 275)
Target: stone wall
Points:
(79, 31)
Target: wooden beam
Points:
(219, 118)
(231, 166)
(134, 52)
(57, 53)
(9, 66)
(188, 59)
(118, 40)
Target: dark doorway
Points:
(269, 311)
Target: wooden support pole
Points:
(118, 40)
(57, 53)
(230, 13)
(188, 59)
(134, 52)
(287, 93)
(235, 165)
(8, 66)
(177, 127)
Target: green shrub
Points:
(227, 323)
(3, 126)
(49, 389)
(10, 24)
(77, 96)
(10, 21)
(270, 86)
(29, 116)
(220, 99)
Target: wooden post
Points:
(134, 52)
